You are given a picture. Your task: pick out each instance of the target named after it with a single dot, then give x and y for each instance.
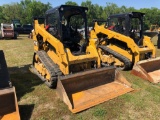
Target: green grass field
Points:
(38, 102)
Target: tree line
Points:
(26, 9)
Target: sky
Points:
(128, 3)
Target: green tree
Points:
(11, 11)
(111, 9)
(26, 9)
(33, 8)
(71, 3)
(1, 14)
(91, 14)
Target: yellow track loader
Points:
(66, 60)
(121, 43)
(153, 31)
(155, 28)
(8, 100)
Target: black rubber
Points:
(52, 68)
(126, 61)
(4, 75)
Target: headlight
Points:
(61, 9)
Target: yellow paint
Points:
(135, 53)
(60, 55)
(77, 96)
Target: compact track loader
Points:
(7, 31)
(8, 100)
(121, 43)
(66, 60)
(153, 31)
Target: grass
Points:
(38, 102)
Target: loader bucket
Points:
(150, 34)
(148, 69)
(87, 89)
(8, 104)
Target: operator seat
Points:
(71, 39)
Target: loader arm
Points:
(58, 54)
(147, 42)
(39, 29)
(111, 34)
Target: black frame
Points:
(59, 12)
(127, 17)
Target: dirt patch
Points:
(29, 100)
(45, 106)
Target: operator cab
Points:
(129, 24)
(65, 23)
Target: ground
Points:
(38, 102)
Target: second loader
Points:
(66, 60)
(7, 31)
(121, 43)
(8, 101)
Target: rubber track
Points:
(126, 61)
(52, 68)
(4, 75)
